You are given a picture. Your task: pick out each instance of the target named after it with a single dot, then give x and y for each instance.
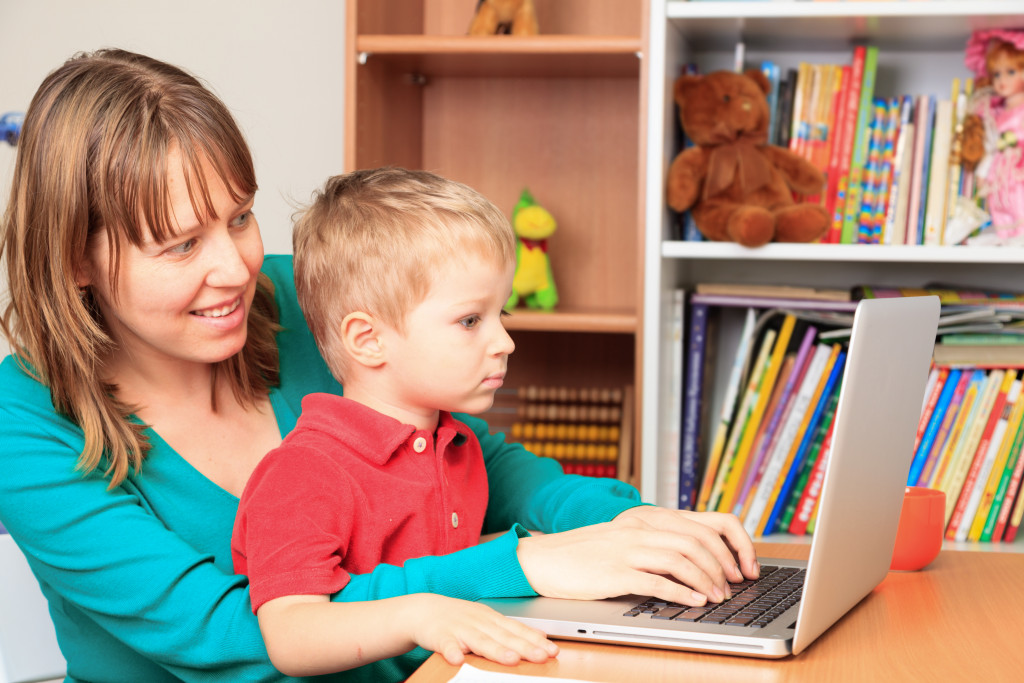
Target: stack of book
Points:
(760, 451)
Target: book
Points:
(727, 410)
(759, 463)
(860, 147)
(799, 128)
(1016, 515)
(945, 428)
(924, 123)
(997, 338)
(791, 431)
(774, 291)
(967, 411)
(959, 99)
(846, 139)
(807, 508)
(932, 389)
(774, 302)
(1002, 471)
(837, 145)
(956, 470)
(976, 461)
(872, 169)
(934, 423)
(672, 363)
(896, 213)
(694, 368)
(935, 208)
(773, 73)
(757, 414)
(787, 93)
(831, 385)
(742, 418)
(979, 481)
(899, 116)
(980, 355)
(803, 477)
(1013, 487)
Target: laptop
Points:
(872, 445)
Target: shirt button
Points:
(419, 445)
(455, 520)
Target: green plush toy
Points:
(533, 283)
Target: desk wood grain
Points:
(959, 619)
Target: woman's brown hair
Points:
(92, 156)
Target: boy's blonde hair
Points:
(371, 241)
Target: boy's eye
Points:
(470, 321)
(183, 248)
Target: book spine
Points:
(968, 409)
(942, 437)
(799, 365)
(956, 471)
(807, 508)
(849, 136)
(764, 393)
(919, 187)
(935, 211)
(1013, 524)
(1016, 437)
(727, 411)
(860, 147)
(1012, 490)
(787, 483)
(824, 426)
(872, 169)
(837, 142)
(936, 380)
(899, 114)
(967, 489)
(970, 526)
(921, 454)
(688, 456)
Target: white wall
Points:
(277, 64)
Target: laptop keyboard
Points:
(754, 603)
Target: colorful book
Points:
(831, 385)
(956, 139)
(941, 438)
(896, 212)
(848, 136)
(773, 73)
(899, 115)
(935, 208)
(966, 413)
(694, 367)
(787, 93)
(728, 409)
(786, 398)
(771, 373)
(824, 426)
(978, 481)
(1013, 523)
(837, 142)
(1003, 470)
(807, 508)
(936, 380)
(1012, 489)
(934, 423)
(742, 417)
(872, 169)
(860, 147)
(974, 465)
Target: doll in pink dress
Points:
(996, 56)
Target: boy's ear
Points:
(361, 337)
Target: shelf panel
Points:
(620, 322)
(806, 25)
(852, 253)
(506, 56)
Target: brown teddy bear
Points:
(517, 17)
(738, 187)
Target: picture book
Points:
(924, 123)
(942, 436)
(968, 409)
(932, 389)
(895, 231)
(837, 146)
(935, 208)
(999, 479)
(696, 345)
(934, 423)
(1012, 487)
(807, 508)
(804, 475)
(860, 147)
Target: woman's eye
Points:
(470, 321)
(183, 248)
(241, 219)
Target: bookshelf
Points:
(920, 50)
(561, 113)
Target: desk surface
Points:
(961, 618)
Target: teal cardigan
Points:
(139, 578)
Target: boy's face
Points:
(454, 350)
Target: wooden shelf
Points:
(505, 56)
(572, 321)
(844, 253)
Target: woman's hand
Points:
(683, 557)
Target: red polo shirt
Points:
(350, 488)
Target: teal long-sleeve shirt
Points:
(139, 578)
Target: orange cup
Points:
(919, 538)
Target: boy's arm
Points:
(307, 635)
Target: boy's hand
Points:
(453, 627)
(686, 558)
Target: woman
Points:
(159, 356)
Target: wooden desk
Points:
(959, 619)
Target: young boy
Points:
(402, 276)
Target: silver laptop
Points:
(872, 445)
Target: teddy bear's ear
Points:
(684, 85)
(758, 77)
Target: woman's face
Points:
(185, 300)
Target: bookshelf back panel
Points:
(580, 17)
(573, 143)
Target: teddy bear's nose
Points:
(746, 105)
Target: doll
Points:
(996, 56)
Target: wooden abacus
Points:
(586, 429)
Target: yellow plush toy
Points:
(533, 282)
(517, 17)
